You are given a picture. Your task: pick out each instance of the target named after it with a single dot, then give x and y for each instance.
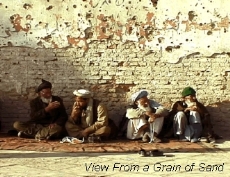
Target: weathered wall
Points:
(113, 48)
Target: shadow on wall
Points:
(0, 115)
(15, 107)
(114, 97)
(220, 112)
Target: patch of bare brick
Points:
(94, 149)
(113, 148)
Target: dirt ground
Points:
(120, 145)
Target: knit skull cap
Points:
(140, 94)
(188, 91)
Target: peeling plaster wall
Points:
(114, 47)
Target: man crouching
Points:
(146, 118)
(88, 118)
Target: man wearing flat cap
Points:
(193, 120)
(47, 116)
(145, 118)
(89, 117)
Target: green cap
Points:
(188, 91)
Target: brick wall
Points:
(114, 48)
(111, 76)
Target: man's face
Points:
(81, 103)
(143, 103)
(190, 98)
(46, 93)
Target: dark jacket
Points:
(204, 115)
(39, 116)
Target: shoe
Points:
(38, 137)
(155, 153)
(94, 139)
(211, 140)
(194, 140)
(143, 153)
(146, 137)
(21, 134)
(182, 138)
(204, 139)
(155, 140)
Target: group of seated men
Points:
(188, 120)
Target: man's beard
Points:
(190, 103)
(46, 100)
(148, 108)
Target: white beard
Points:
(136, 113)
(46, 100)
(148, 108)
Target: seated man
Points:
(48, 115)
(88, 118)
(146, 118)
(192, 119)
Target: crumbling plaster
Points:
(175, 28)
(114, 48)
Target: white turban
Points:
(82, 93)
(136, 96)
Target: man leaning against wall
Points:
(193, 120)
(89, 118)
(146, 118)
(47, 116)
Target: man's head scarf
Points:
(83, 93)
(136, 96)
(188, 91)
(45, 84)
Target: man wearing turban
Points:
(89, 117)
(145, 118)
(192, 120)
(47, 116)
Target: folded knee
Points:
(180, 116)
(106, 129)
(68, 125)
(58, 128)
(17, 125)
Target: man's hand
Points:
(84, 133)
(192, 108)
(76, 112)
(152, 116)
(52, 105)
(151, 119)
